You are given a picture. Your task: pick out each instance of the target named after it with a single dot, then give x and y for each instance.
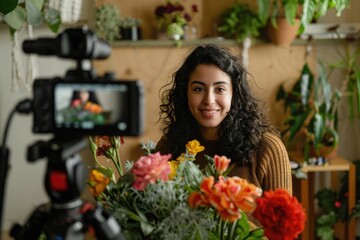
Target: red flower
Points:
(281, 215)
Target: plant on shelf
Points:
(107, 22)
(349, 63)
(32, 12)
(171, 18)
(130, 28)
(239, 22)
(305, 10)
(311, 106)
(333, 205)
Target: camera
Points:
(95, 107)
(82, 103)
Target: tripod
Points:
(66, 216)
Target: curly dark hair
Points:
(243, 127)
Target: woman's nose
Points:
(209, 98)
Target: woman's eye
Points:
(198, 89)
(221, 89)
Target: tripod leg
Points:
(33, 227)
(106, 227)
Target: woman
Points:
(210, 100)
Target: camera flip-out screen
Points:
(96, 108)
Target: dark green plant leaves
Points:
(7, 6)
(239, 22)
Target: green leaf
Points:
(306, 80)
(7, 6)
(107, 171)
(298, 123)
(291, 9)
(33, 9)
(243, 226)
(53, 19)
(317, 127)
(357, 79)
(263, 10)
(146, 227)
(325, 233)
(16, 18)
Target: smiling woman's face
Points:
(209, 95)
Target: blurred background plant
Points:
(333, 206)
(172, 17)
(305, 10)
(107, 22)
(32, 12)
(311, 107)
(130, 28)
(239, 22)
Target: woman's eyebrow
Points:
(215, 83)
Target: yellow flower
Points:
(173, 167)
(181, 158)
(97, 182)
(194, 147)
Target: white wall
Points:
(24, 187)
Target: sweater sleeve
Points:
(275, 165)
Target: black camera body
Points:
(117, 110)
(114, 107)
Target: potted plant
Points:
(333, 206)
(130, 28)
(311, 107)
(239, 22)
(107, 22)
(297, 13)
(172, 18)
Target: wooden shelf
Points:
(156, 43)
(170, 43)
(305, 188)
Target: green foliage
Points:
(32, 12)
(349, 63)
(311, 105)
(239, 22)
(129, 22)
(107, 22)
(305, 10)
(333, 206)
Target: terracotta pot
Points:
(284, 34)
(326, 152)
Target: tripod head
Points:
(66, 175)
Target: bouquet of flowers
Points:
(172, 17)
(156, 197)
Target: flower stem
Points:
(117, 162)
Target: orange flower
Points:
(281, 214)
(229, 196)
(221, 164)
(194, 147)
(97, 182)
